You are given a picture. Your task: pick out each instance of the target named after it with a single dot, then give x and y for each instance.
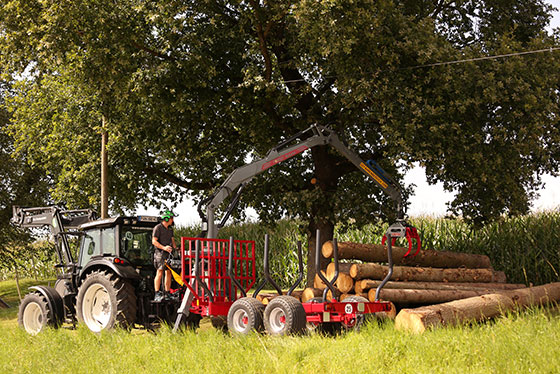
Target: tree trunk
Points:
(375, 271)
(428, 258)
(366, 284)
(475, 308)
(327, 230)
(425, 296)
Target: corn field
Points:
(526, 248)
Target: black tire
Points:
(245, 315)
(325, 328)
(362, 318)
(35, 315)
(106, 301)
(285, 315)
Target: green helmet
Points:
(167, 215)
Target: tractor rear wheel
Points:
(285, 315)
(35, 314)
(106, 301)
(245, 315)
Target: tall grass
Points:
(512, 344)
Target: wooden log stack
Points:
(431, 277)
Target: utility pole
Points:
(104, 172)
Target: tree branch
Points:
(176, 180)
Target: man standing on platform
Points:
(164, 244)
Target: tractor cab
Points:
(126, 241)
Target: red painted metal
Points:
(411, 233)
(213, 261)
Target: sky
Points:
(428, 199)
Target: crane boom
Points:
(311, 137)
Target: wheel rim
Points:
(277, 320)
(33, 321)
(240, 321)
(96, 307)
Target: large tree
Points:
(21, 185)
(193, 89)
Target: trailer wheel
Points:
(106, 301)
(360, 319)
(245, 315)
(35, 314)
(285, 315)
(325, 328)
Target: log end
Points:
(409, 321)
(327, 249)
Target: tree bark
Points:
(375, 271)
(365, 285)
(425, 296)
(475, 308)
(428, 258)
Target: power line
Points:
(475, 59)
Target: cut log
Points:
(318, 282)
(365, 285)
(424, 296)
(405, 273)
(344, 281)
(475, 308)
(310, 293)
(427, 258)
(342, 268)
(266, 297)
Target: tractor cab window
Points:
(136, 245)
(91, 246)
(108, 241)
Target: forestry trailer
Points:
(109, 282)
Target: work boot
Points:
(159, 297)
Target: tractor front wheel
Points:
(106, 301)
(35, 314)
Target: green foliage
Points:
(21, 184)
(190, 89)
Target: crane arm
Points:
(311, 137)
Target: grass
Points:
(516, 343)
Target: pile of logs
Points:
(430, 277)
(446, 288)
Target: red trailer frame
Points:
(218, 293)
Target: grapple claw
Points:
(404, 229)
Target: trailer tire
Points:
(106, 301)
(325, 328)
(285, 315)
(35, 314)
(245, 315)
